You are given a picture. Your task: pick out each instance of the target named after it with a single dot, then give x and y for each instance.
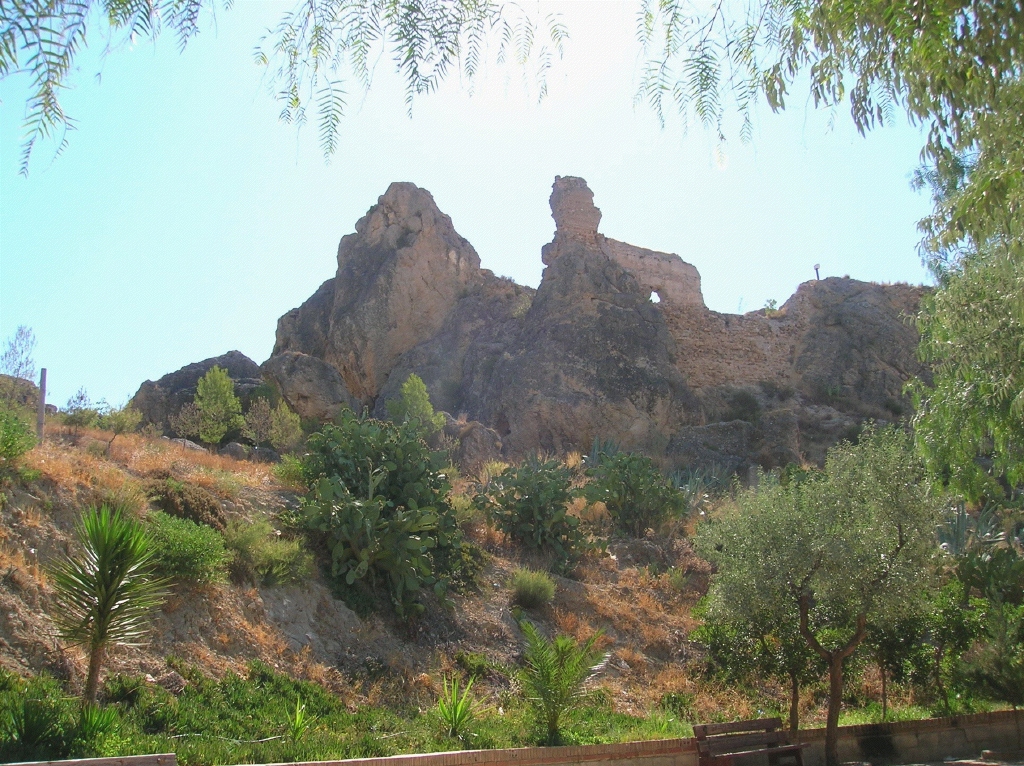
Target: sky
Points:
(183, 218)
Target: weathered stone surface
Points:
(234, 450)
(399, 277)
(589, 354)
(476, 444)
(158, 400)
(309, 385)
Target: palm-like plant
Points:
(555, 674)
(106, 594)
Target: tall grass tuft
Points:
(532, 589)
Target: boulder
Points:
(310, 386)
(234, 450)
(264, 455)
(475, 443)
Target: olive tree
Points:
(828, 555)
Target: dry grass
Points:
(86, 475)
(20, 560)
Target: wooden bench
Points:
(722, 743)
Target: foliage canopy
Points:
(829, 555)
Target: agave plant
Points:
(105, 595)
(555, 674)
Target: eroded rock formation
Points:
(158, 400)
(589, 354)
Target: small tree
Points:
(105, 595)
(554, 675)
(120, 420)
(413, 406)
(831, 554)
(79, 412)
(219, 408)
(17, 360)
(259, 421)
(186, 422)
(285, 428)
(16, 438)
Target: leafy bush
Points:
(532, 589)
(554, 674)
(187, 501)
(529, 503)
(16, 438)
(187, 551)
(262, 557)
(379, 502)
(638, 497)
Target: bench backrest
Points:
(735, 737)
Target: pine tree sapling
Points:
(105, 594)
(219, 409)
(285, 428)
(413, 406)
(258, 422)
(186, 422)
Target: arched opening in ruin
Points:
(655, 298)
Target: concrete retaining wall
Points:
(932, 739)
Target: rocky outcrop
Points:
(310, 385)
(158, 400)
(616, 343)
(399, 277)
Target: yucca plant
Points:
(105, 595)
(455, 707)
(555, 673)
(299, 722)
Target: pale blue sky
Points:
(183, 219)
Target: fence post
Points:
(41, 414)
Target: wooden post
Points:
(41, 414)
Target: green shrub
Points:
(553, 676)
(529, 503)
(186, 551)
(16, 438)
(379, 502)
(186, 501)
(289, 471)
(39, 722)
(638, 497)
(742, 405)
(532, 589)
(262, 557)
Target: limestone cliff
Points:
(589, 354)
